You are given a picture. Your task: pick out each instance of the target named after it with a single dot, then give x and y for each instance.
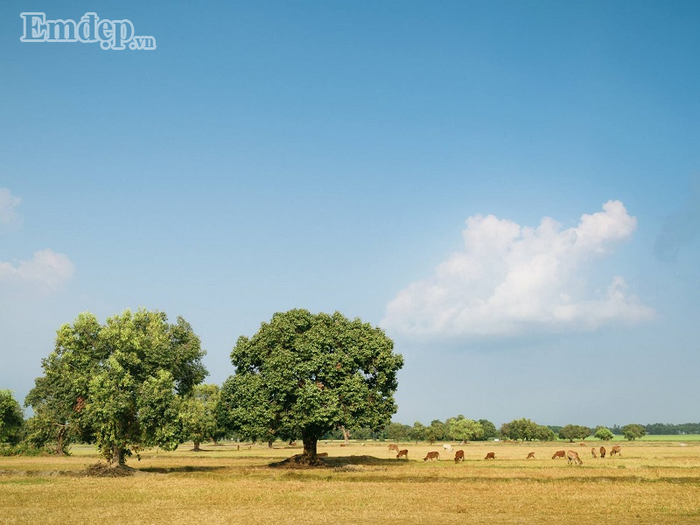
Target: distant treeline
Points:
(462, 429)
(658, 429)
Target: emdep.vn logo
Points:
(111, 34)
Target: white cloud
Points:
(510, 280)
(8, 214)
(46, 270)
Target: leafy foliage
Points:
(574, 432)
(306, 374)
(462, 429)
(603, 433)
(118, 384)
(670, 429)
(490, 430)
(436, 431)
(526, 430)
(11, 418)
(198, 414)
(633, 431)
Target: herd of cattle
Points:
(571, 455)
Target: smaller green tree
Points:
(198, 414)
(418, 432)
(436, 431)
(520, 430)
(397, 431)
(11, 418)
(603, 433)
(633, 431)
(574, 432)
(462, 429)
(489, 429)
(544, 433)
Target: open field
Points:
(653, 482)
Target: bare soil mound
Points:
(102, 470)
(301, 461)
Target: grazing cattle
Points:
(573, 457)
(447, 448)
(559, 454)
(432, 456)
(393, 447)
(615, 450)
(531, 455)
(459, 456)
(402, 454)
(595, 456)
(602, 452)
(322, 455)
(490, 455)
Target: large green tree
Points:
(120, 385)
(305, 374)
(58, 397)
(11, 418)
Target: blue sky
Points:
(510, 189)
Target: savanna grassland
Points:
(652, 482)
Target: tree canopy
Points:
(572, 432)
(304, 374)
(11, 418)
(120, 384)
(633, 431)
(526, 430)
(603, 433)
(198, 414)
(462, 429)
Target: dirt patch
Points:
(301, 461)
(102, 470)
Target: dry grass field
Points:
(652, 483)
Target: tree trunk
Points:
(270, 442)
(346, 434)
(118, 457)
(196, 447)
(59, 440)
(310, 447)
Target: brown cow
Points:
(602, 452)
(559, 454)
(615, 450)
(402, 454)
(573, 457)
(432, 456)
(322, 455)
(459, 456)
(531, 455)
(490, 455)
(393, 447)
(595, 456)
